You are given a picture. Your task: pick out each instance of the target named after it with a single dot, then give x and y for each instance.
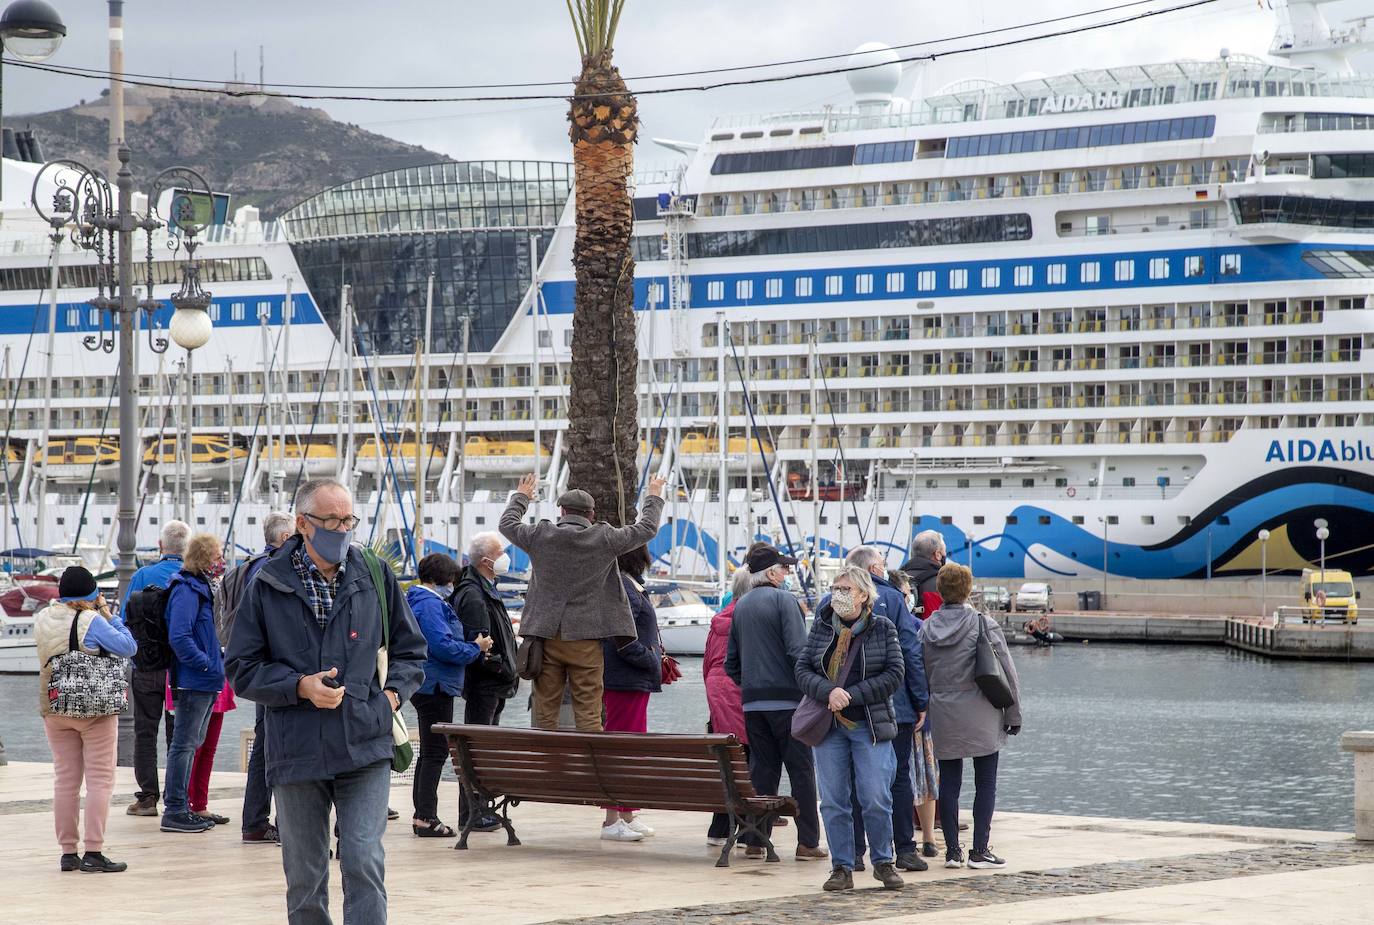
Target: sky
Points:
(427, 42)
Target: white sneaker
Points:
(646, 831)
(716, 842)
(619, 831)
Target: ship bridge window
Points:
(1059, 139)
(1341, 264)
(1306, 210)
(786, 159)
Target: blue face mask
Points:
(789, 582)
(330, 545)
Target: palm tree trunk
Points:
(603, 408)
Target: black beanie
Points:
(77, 584)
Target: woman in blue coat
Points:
(448, 654)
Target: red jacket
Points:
(722, 694)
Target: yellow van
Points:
(1329, 595)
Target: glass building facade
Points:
(468, 223)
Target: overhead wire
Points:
(651, 91)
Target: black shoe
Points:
(981, 860)
(886, 874)
(70, 861)
(840, 879)
(392, 814)
(216, 818)
(267, 835)
(963, 827)
(96, 863)
(910, 860)
(185, 822)
(929, 850)
(859, 866)
(954, 858)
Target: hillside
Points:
(267, 153)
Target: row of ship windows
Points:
(898, 281)
(164, 272)
(238, 311)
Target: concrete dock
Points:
(1062, 869)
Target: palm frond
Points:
(595, 23)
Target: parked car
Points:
(1035, 595)
(990, 598)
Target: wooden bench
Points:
(503, 767)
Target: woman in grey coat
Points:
(963, 722)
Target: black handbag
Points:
(988, 673)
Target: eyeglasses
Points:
(333, 523)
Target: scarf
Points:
(844, 636)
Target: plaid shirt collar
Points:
(320, 590)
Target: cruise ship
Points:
(1110, 320)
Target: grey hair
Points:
(741, 583)
(861, 579)
(865, 557)
(759, 579)
(479, 544)
(305, 495)
(927, 543)
(277, 526)
(174, 536)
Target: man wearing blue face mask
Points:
(306, 646)
(492, 680)
(767, 636)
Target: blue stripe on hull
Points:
(23, 319)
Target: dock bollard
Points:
(1362, 744)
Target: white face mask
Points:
(501, 564)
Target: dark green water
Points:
(1196, 734)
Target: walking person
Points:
(575, 597)
(148, 687)
(925, 770)
(196, 677)
(634, 671)
(856, 756)
(723, 700)
(305, 645)
(449, 654)
(767, 638)
(256, 827)
(964, 723)
(83, 746)
(490, 681)
(909, 703)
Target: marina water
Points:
(1194, 734)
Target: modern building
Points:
(469, 223)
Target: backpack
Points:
(86, 686)
(230, 596)
(146, 618)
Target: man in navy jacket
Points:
(305, 646)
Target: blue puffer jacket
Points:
(913, 697)
(448, 650)
(638, 666)
(197, 664)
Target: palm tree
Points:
(603, 408)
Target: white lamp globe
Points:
(190, 328)
(1264, 536)
(1323, 533)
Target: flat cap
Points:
(576, 500)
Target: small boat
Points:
(799, 489)
(699, 453)
(684, 619)
(481, 454)
(400, 451)
(19, 601)
(214, 458)
(320, 460)
(76, 460)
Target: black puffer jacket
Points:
(880, 668)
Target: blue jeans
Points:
(359, 799)
(843, 753)
(257, 796)
(903, 798)
(188, 732)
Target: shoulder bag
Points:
(402, 752)
(812, 720)
(988, 673)
(85, 686)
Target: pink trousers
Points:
(82, 748)
(626, 711)
(198, 788)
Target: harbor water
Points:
(1194, 734)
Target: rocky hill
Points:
(269, 153)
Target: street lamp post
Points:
(1264, 573)
(1322, 534)
(30, 30)
(1105, 565)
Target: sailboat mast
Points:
(534, 364)
(814, 480)
(722, 443)
(421, 386)
(463, 430)
(47, 394)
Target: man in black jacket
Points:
(927, 555)
(491, 681)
